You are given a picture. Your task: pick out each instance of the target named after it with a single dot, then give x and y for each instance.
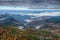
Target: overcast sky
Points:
(32, 4)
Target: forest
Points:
(14, 33)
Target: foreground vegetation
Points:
(13, 33)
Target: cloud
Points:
(12, 8)
(32, 4)
(44, 14)
(28, 20)
(27, 8)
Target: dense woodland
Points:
(14, 33)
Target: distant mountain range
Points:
(29, 21)
(45, 22)
(9, 20)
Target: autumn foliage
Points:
(13, 33)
